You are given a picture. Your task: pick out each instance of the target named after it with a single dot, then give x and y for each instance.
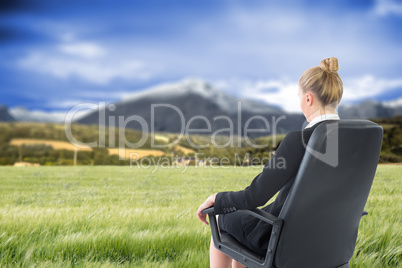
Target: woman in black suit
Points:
(320, 91)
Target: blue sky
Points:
(56, 54)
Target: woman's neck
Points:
(319, 112)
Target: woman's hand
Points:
(208, 203)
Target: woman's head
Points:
(320, 86)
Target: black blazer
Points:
(273, 178)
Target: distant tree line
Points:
(391, 151)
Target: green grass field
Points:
(118, 216)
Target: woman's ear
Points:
(309, 99)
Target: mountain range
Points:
(196, 104)
(370, 109)
(5, 115)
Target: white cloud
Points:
(65, 104)
(22, 114)
(258, 42)
(274, 40)
(266, 39)
(114, 94)
(280, 92)
(394, 103)
(283, 92)
(386, 7)
(88, 61)
(85, 50)
(368, 86)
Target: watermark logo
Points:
(202, 161)
(109, 122)
(120, 124)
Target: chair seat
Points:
(229, 240)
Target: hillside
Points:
(391, 151)
(47, 144)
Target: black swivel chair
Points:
(318, 224)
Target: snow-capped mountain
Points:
(5, 115)
(205, 90)
(170, 107)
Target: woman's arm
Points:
(208, 203)
(281, 168)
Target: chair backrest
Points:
(324, 207)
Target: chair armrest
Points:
(258, 213)
(226, 249)
(208, 210)
(263, 215)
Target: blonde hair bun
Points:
(330, 65)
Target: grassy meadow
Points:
(107, 216)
